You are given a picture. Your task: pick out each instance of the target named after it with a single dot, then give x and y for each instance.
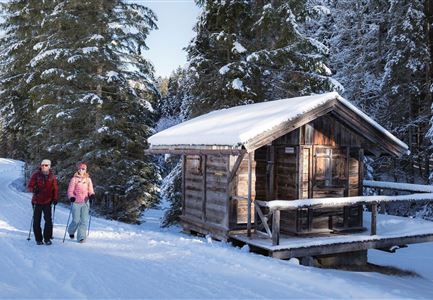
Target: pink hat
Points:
(82, 166)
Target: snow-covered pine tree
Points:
(217, 57)
(405, 85)
(94, 99)
(20, 26)
(252, 51)
(286, 58)
(356, 40)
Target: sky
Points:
(176, 19)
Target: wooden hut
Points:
(291, 149)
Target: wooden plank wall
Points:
(285, 173)
(321, 133)
(329, 131)
(216, 189)
(239, 193)
(206, 188)
(193, 186)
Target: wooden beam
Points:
(341, 201)
(181, 151)
(276, 228)
(249, 193)
(373, 218)
(204, 191)
(346, 173)
(361, 172)
(229, 188)
(183, 183)
(272, 173)
(397, 186)
(346, 247)
(264, 221)
(236, 167)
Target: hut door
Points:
(329, 172)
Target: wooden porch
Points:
(395, 232)
(379, 231)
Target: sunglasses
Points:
(45, 165)
(82, 169)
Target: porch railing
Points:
(274, 207)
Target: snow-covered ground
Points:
(145, 261)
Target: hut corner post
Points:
(276, 228)
(249, 194)
(373, 218)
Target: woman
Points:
(80, 193)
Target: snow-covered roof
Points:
(233, 127)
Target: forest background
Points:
(75, 83)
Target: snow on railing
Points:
(275, 206)
(398, 186)
(341, 201)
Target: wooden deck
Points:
(392, 231)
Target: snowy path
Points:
(127, 261)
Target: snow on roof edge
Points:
(374, 123)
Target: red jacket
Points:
(44, 188)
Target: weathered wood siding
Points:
(206, 189)
(216, 189)
(239, 191)
(285, 172)
(194, 187)
(327, 164)
(328, 131)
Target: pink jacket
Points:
(80, 187)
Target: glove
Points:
(54, 202)
(35, 190)
(72, 199)
(92, 198)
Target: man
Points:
(43, 184)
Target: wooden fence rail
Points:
(275, 206)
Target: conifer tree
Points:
(252, 51)
(21, 32)
(92, 94)
(404, 85)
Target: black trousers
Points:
(48, 227)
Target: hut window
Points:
(330, 167)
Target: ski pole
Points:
(90, 219)
(54, 213)
(52, 220)
(67, 223)
(31, 224)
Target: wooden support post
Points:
(373, 218)
(204, 168)
(183, 183)
(249, 194)
(276, 228)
